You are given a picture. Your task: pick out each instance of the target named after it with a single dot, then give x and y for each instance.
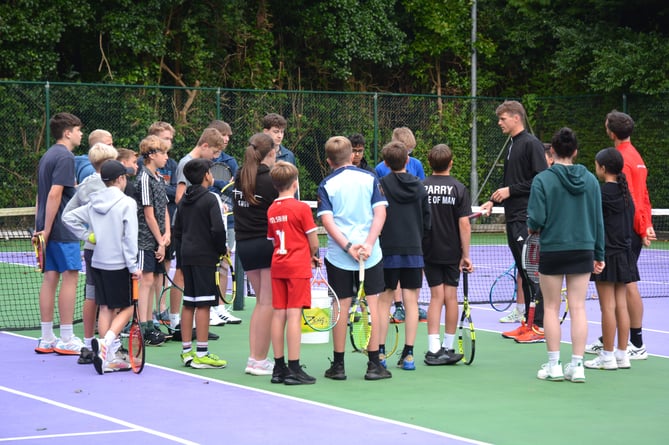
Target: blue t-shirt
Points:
(350, 194)
(414, 167)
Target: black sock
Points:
(408, 350)
(398, 304)
(635, 337)
(294, 365)
(279, 362)
(339, 357)
(382, 349)
(374, 357)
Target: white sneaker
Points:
(635, 353)
(259, 367)
(71, 347)
(214, 319)
(600, 362)
(594, 348)
(225, 315)
(574, 373)
(512, 317)
(551, 373)
(624, 361)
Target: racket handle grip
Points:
(135, 289)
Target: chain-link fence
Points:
(127, 112)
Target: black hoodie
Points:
(199, 226)
(407, 217)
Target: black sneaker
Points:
(336, 371)
(176, 334)
(279, 374)
(376, 372)
(154, 338)
(85, 356)
(298, 378)
(442, 357)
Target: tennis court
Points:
(495, 400)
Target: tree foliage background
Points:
(526, 49)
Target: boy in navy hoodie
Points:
(200, 231)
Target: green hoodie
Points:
(566, 207)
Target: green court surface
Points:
(497, 399)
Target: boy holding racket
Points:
(353, 211)
(55, 187)
(446, 253)
(407, 219)
(112, 216)
(292, 229)
(200, 231)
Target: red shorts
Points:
(289, 293)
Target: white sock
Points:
(433, 342)
(448, 341)
(174, 320)
(576, 360)
(553, 357)
(607, 355)
(87, 342)
(520, 308)
(47, 331)
(619, 354)
(66, 332)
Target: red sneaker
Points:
(520, 330)
(534, 335)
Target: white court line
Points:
(235, 385)
(54, 436)
(331, 407)
(132, 427)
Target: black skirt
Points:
(620, 268)
(566, 262)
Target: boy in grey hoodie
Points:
(112, 217)
(97, 155)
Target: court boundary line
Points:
(131, 426)
(327, 406)
(55, 436)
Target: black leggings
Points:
(516, 234)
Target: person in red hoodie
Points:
(619, 127)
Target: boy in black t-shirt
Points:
(446, 252)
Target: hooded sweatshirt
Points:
(566, 207)
(91, 184)
(407, 217)
(199, 226)
(112, 216)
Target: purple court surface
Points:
(47, 399)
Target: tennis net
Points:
(20, 280)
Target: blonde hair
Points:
(338, 150)
(99, 136)
(405, 136)
(151, 144)
(99, 153)
(158, 127)
(283, 175)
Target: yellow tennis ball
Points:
(91, 238)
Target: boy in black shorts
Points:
(112, 217)
(446, 252)
(200, 231)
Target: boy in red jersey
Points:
(292, 229)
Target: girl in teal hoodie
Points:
(565, 208)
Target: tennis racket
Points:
(360, 325)
(467, 337)
(392, 337)
(167, 287)
(222, 172)
(226, 293)
(136, 338)
(564, 305)
(531, 266)
(322, 318)
(503, 292)
(39, 245)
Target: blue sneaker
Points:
(422, 315)
(382, 360)
(407, 363)
(398, 315)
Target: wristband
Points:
(348, 247)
